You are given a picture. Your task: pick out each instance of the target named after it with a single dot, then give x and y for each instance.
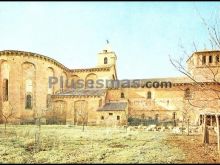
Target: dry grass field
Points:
(63, 144)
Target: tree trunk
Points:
(5, 126)
(187, 126)
(174, 122)
(83, 127)
(182, 125)
(217, 123)
(205, 132)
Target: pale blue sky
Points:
(142, 34)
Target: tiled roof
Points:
(173, 80)
(135, 95)
(170, 79)
(208, 51)
(113, 106)
(98, 68)
(82, 92)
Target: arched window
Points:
(5, 90)
(149, 95)
(122, 95)
(90, 81)
(5, 71)
(50, 75)
(203, 59)
(210, 59)
(105, 60)
(28, 102)
(75, 79)
(187, 93)
(63, 83)
(29, 86)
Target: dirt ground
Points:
(63, 144)
(194, 150)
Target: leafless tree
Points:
(7, 113)
(83, 117)
(204, 88)
(39, 114)
(127, 115)
(81, 111)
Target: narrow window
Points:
(102, 117)
(210, 59)
(122, 95)
(149, 95)
(28, 102)
(203, 59)
(105, 60)
(118, 117)
(5, 90)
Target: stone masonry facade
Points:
(25, 91)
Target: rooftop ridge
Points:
(27, 53)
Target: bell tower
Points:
(107, 57)
(204, 65)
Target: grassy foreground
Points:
(63, 144)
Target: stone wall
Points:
(89, 106)
(28, 73)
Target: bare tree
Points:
(38, 116)
(210, 92)
(186, 107)
(7, 113)
(81, 111)
(83, 117)
(127, 115)
(204, 88)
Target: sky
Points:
(142, 34)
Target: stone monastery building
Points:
(26, 94)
